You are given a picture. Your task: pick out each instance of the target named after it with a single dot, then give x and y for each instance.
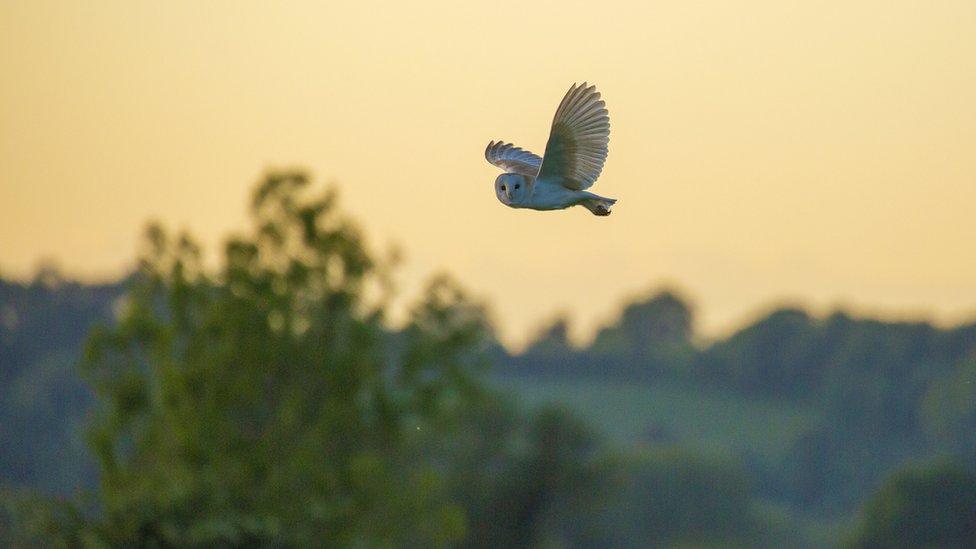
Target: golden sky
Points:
(761, 151)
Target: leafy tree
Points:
(550, 487)
(877, 375)
(670, 496)
(949, 409)
(29, 520)
(652, 337)
(780, 355)
(550, 354)
(552, 340)
(922, 507)
(263, 404)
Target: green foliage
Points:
(670, 496)
(782, 354)
(949, 409)
(650, 340)
(27, 520)
(931, 506)
(263, 403)
(526, 480)
(552, 340)
(652, 337)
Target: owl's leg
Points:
(597, 205)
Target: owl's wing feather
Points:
(513, 159)
(578, 140)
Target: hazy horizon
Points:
(820, 155)
(583, 329)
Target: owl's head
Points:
(511, 188)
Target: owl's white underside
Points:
(526, 192)
(546, 196)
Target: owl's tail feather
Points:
(599, 205)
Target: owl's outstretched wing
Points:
(513, 159)
(578, 140)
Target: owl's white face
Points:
(510, 188)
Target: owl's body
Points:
(544, 197)
(552, 197)
(573, 160)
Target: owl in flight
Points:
(573, 160)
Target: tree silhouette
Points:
(264, 403)
(931, 506)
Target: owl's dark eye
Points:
(503, 187)
(517, 186)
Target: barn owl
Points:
(573, 160)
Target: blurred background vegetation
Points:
(268, 401)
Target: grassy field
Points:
(628, 413)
